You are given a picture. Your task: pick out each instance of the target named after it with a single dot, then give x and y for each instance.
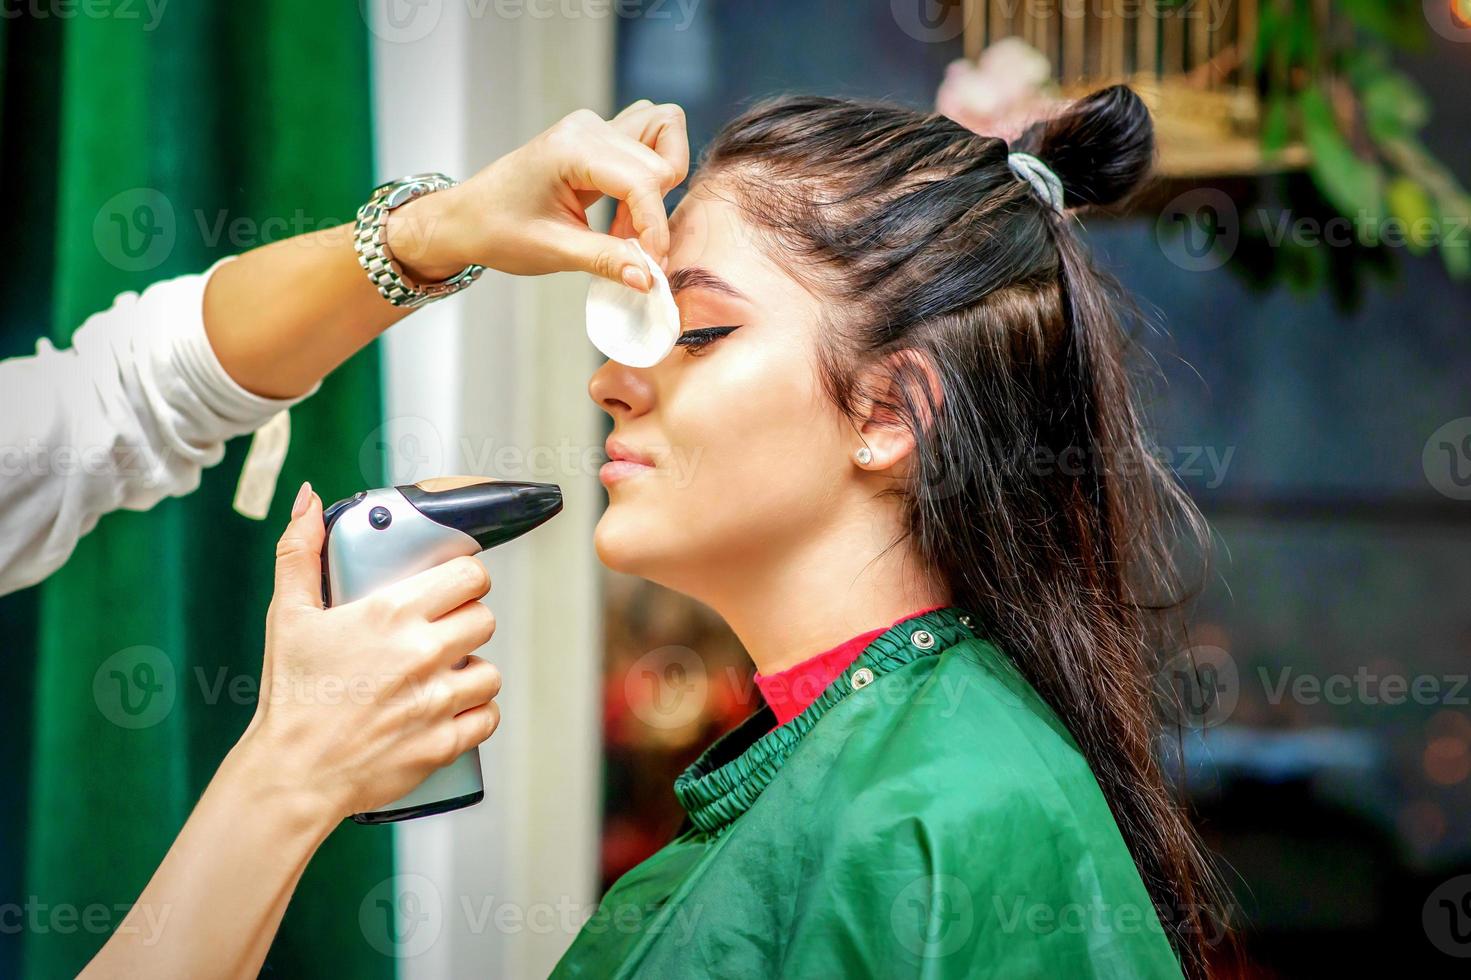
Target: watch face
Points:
(411, 187)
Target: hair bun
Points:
(1101, 147)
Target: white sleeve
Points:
(130, 414)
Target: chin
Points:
(632, 546)
(620, 545)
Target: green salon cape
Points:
(926, 816)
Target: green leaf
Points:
(1412, 206)
(1276, 123)
(1353, 185)
(1394, 106)
(1268, 37)
(1401, 24)
(1455, 237)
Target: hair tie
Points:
(1044, 182)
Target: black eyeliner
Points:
(704, 334)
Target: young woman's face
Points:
(749, 457)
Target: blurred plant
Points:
(1333, 86)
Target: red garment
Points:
(790, 691)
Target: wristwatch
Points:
(370, 241)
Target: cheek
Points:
(753, 435)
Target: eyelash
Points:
(695, 341)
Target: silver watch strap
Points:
(370, 242)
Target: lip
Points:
(623, 462)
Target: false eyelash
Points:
(695, 341)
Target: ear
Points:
(899, 396)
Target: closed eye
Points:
(698, 339)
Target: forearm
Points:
(215, 903)
(281, 317)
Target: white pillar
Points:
(494, 381)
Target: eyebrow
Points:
(695, 277)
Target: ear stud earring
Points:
(865, 456)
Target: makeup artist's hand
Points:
(526, 213)
(360, 702)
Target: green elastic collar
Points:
(725, 781)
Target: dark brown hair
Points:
(1034, 492)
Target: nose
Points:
(621, 391)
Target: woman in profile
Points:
(915, 481)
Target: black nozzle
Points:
(492, 512)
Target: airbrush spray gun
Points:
(377, 537)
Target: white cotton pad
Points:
(630, 327)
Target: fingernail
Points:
(303, 496)
(635, 278)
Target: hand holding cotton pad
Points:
(630, 327)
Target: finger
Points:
(436, 591)
(463, 631)
(602, 255)
(474, 684)
(619, 173)
(662, 128)
(299, 554)
(622, 226)
(476, 725)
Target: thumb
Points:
(299, 553)
(602, 255)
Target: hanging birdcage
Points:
(1191, 61)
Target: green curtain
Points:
(202, 131)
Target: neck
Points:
(820, 593)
